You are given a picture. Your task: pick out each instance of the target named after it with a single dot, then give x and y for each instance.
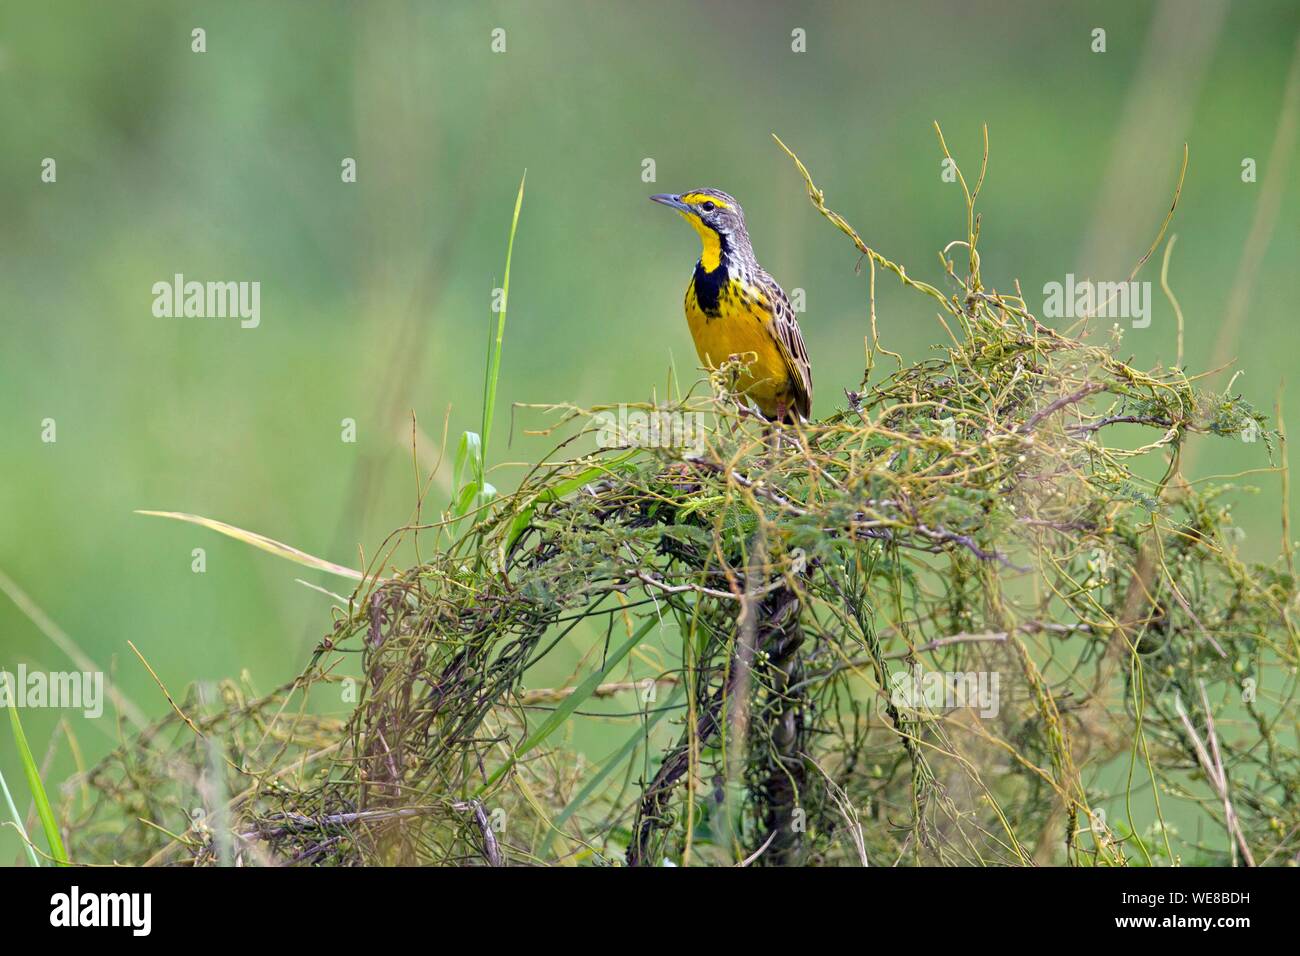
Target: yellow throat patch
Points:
(711, 257)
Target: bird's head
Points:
(716, 216)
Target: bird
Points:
(735, 309)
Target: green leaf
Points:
(43, 810)
(18, 822)
(469, 461)
(469, 490)
(493, 373)
(465, 499)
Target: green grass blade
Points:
(493, 374)
(572, 702)
(43, 810)
(18, 822)
(279, 549)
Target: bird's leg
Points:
(776, 434)
(771, 442)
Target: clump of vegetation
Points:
(977, 616)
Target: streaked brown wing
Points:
(790, 339)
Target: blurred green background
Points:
(375, 296)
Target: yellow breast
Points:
(729, 318)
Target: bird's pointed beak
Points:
(670, 200)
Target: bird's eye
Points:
(708, 206)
